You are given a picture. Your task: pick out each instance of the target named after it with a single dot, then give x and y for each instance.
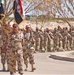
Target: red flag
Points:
(21, 7)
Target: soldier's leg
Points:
(49, 46)
(55, 45)
(36, 46)
(58, 48)
(63, 44)
(20, 61)
(12, 62)
(0, 51)
(26, 63)
(31, 60)
(3, 55)
(7, 57)
(45, 46)
(69, 44)
(25, 56)
(40, 46)
(59, 43)
(73, 43)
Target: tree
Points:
(60, 9)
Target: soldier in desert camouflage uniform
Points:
(37, 40)
(50, 37)
(41, 41)
(72, 35)
(69, 39)
(56, 36)
(29, 48)
(60, 31)
(45, 40)
(3, 48)
(15, 51)
(1, 41)
(65, 38)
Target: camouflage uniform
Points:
(56, 36)
(28, 50)
(41, 41)
(3, 49)
(45, 41)
(37, 41)
(50, 37)
(65, 39)
(69, 40)
(72, 42)
(15, 52)
(60, 31)
(1, 41)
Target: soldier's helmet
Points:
(37, 28)
(55, 29)
(15, 25)
(27, 26)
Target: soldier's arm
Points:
(69, 36)
(60, 35)
(23, 42)
(51, 35)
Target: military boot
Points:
(3, 67)
(33, 68)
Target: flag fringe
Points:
(3, 16)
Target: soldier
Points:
(70, 39)
(72, 35)
(45, 40)
(56, 35)
(15, 50)
(3, 48)
(50, 37)
(60, 31)
(41, 41)
(65, 38)
(37, 40)
(29, 48)
(1, 41)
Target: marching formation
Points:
(59, 39)
(19, 45)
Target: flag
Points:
(1, 10)
(18, 18)
(18, 11)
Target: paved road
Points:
(46, 65)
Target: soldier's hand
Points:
(3, 49)
(32, 40)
